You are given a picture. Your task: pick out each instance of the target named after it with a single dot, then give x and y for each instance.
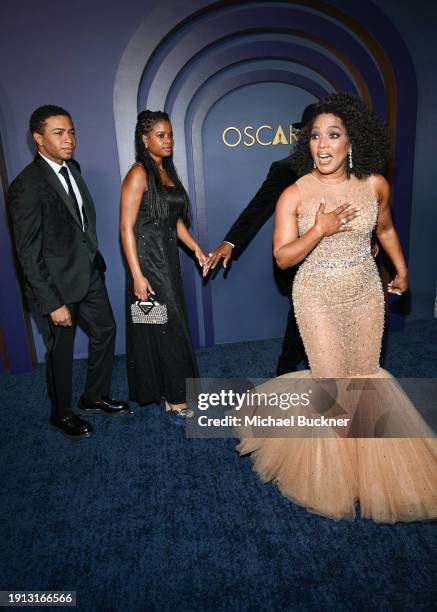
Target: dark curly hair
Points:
(367, 133)
(156, 196)
(40, 115)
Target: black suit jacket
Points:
(262, 206)
(56, 255)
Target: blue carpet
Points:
(137, 518)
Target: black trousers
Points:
(293, 351)
(95, 317)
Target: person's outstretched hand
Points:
(200, 256)
(223, 251)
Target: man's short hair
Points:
(39, 116)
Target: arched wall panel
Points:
(201, 104)
(335, 43)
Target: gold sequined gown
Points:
(339, 305)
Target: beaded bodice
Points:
(337, 292)
(342, 247)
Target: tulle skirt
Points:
(393, 477)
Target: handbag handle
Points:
(148, 309)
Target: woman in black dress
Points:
(155, 214)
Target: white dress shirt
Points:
(56, 169)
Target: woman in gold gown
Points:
(326, 220)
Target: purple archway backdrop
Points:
(189, 58)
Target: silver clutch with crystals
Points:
(150, 312)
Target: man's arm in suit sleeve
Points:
(25, 210)
(260, 208)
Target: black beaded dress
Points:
(160, 357)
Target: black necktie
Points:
(72, 195)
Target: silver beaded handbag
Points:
(150, 312)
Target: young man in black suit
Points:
(245, 228)
(54, 226)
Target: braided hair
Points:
(156, 195)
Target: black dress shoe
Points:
(72, 426)
(103, 405)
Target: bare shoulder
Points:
(289, 199)
(381, 186)
(136, 178)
